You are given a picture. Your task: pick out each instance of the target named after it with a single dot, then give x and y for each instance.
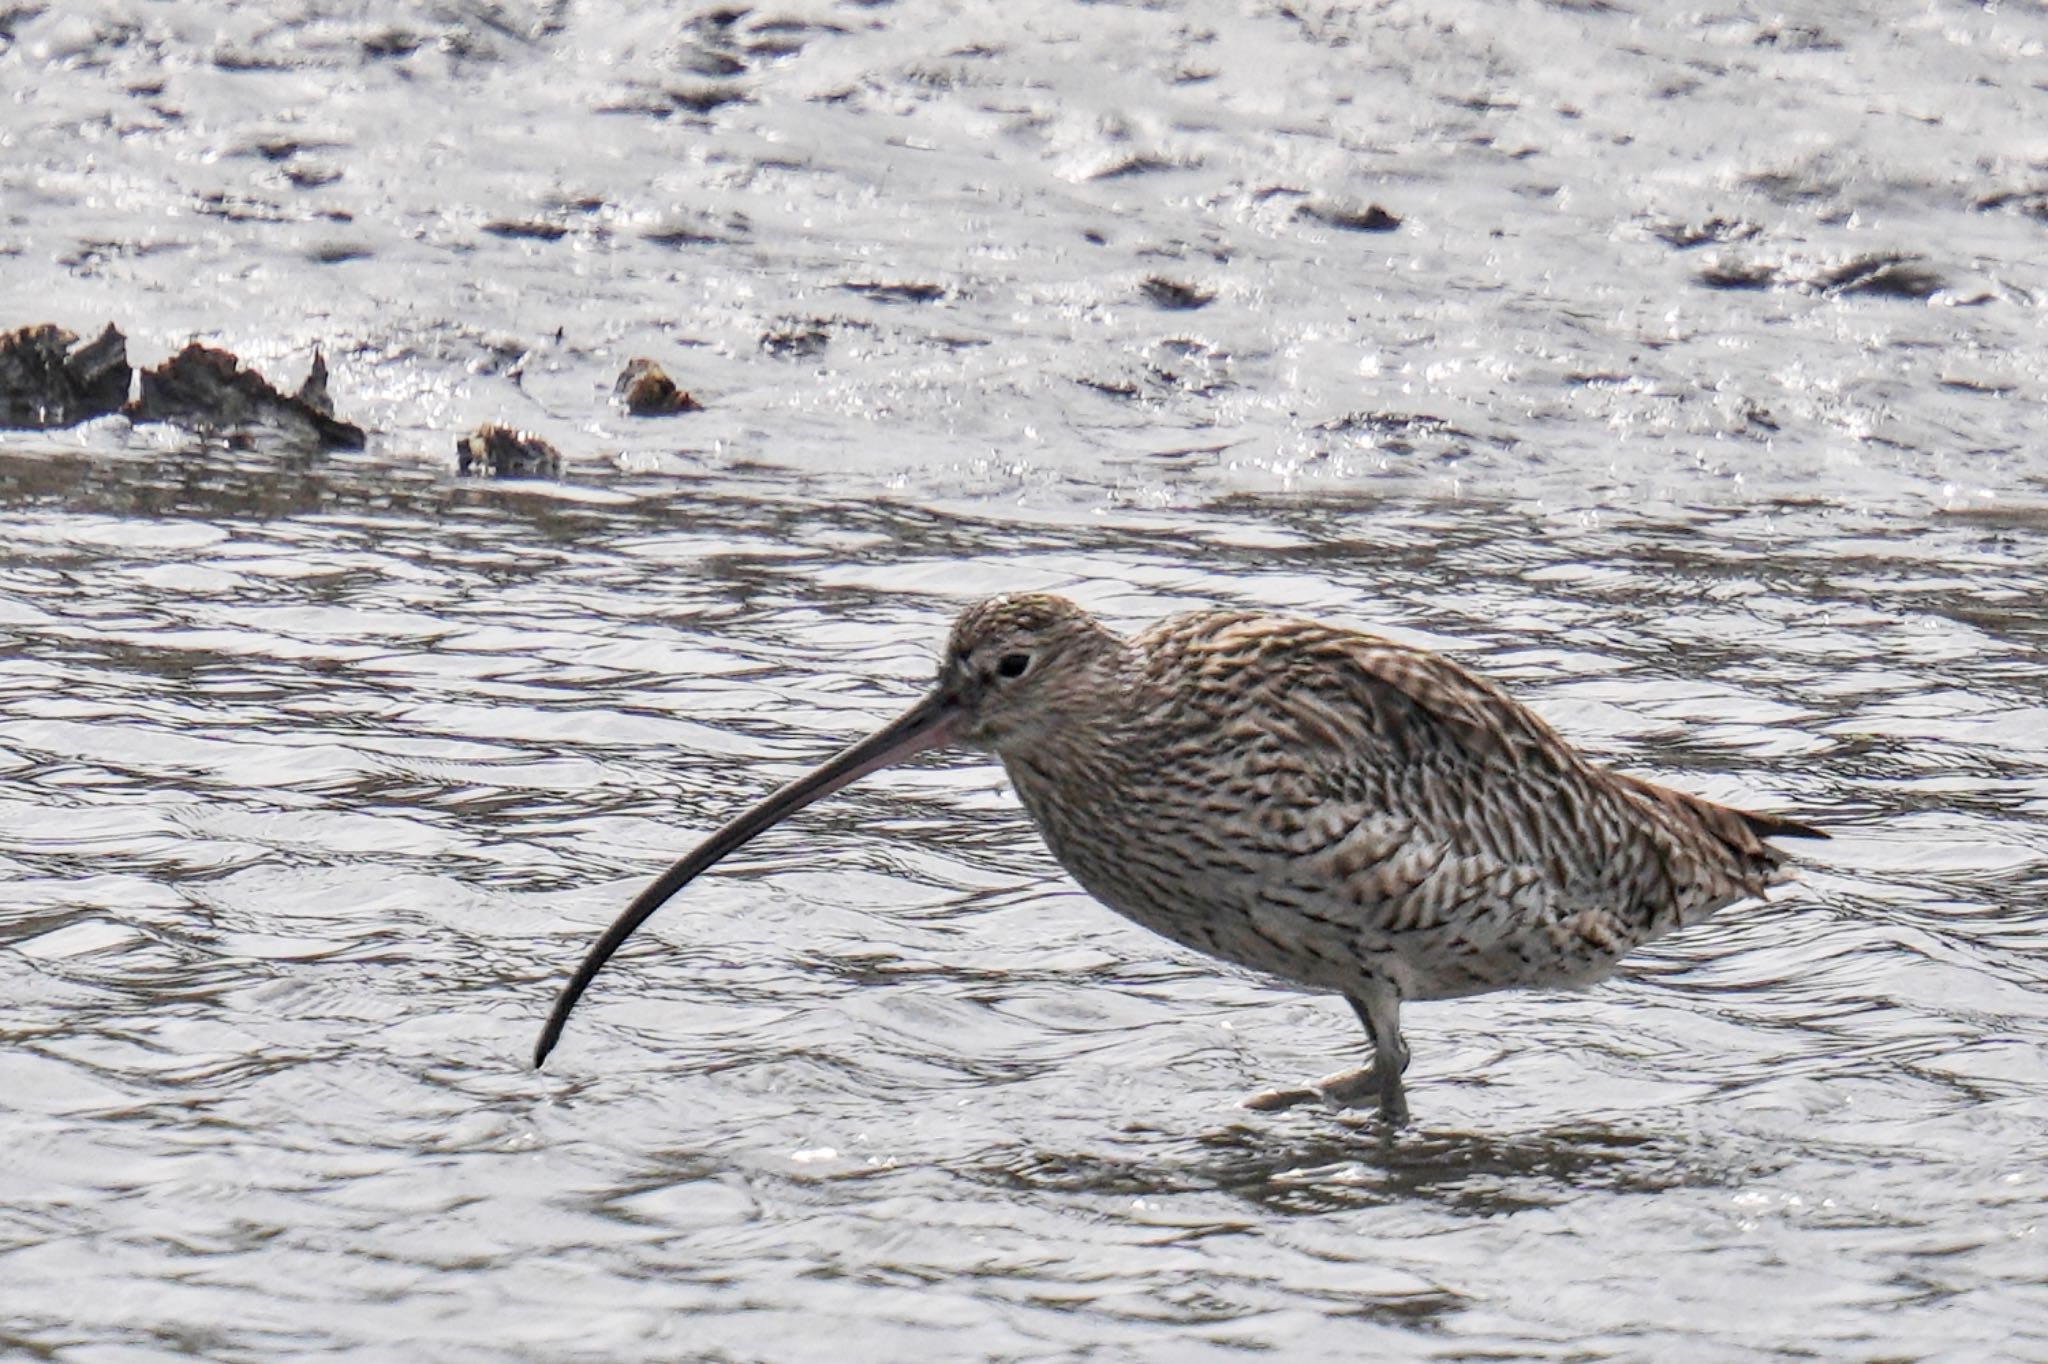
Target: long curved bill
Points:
(930, 723)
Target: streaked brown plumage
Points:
(1318, 803)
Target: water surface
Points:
(311, 806)
(1696, 395)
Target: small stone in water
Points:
(647, 391)
(47, 379)
(494, 451)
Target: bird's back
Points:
(1320, 803)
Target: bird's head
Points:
(1021, 666)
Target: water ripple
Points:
(298, 857)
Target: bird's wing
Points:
(1349, 700)
(1483, 773)
(1324, 724)
(1331, 727)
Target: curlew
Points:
(1316, 803)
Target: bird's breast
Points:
(1213, 881)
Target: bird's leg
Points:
(1380, 1010)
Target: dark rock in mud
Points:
(1404, 433)
(897, 293)
(206, 390)
(1138, 163)
(48, 379)
(2032, 203)
(527, 228)
(1121, 389)
(1878, 275)
(1371, 218)
(1886, 276)
(796, 343)
(701, 229)
(702, 99)
(1173, 296)
(493, 451)
(647, 391)
(1716, 231)
(1739, 275)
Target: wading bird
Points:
(1348, 813)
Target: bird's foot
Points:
(1346, 1089)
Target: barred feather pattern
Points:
(1341, 810)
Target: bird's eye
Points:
(1012, 665)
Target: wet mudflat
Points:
(1693, 389)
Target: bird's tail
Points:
(1777, 826)
(1742, 832)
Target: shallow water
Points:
(309, 810)
(318, 775)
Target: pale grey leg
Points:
(1380, 1011)
(1379, 1008)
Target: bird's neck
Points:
(1084, 765)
